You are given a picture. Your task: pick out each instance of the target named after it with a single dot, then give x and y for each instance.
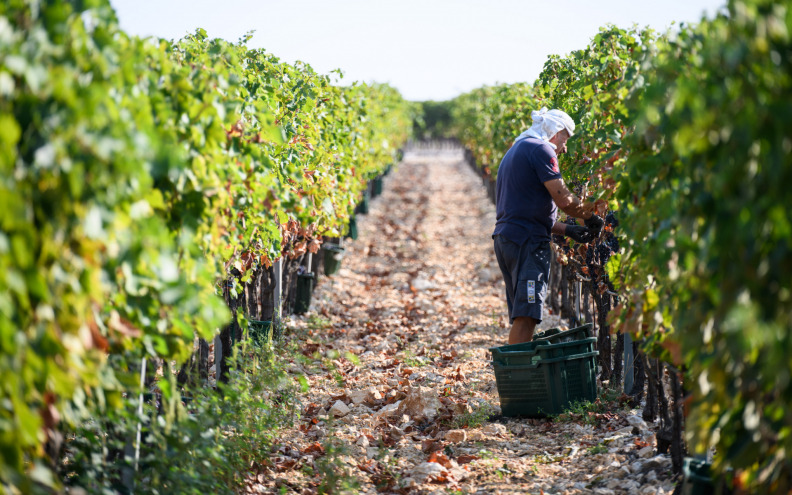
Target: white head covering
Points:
(546, 124)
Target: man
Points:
(529, 191)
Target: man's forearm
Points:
(566, 200)
(559, 228)
(576, 209)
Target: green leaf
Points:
(613, 268)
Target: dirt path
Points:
(401, 379)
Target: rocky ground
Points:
(398, 369)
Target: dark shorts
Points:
(525, 270)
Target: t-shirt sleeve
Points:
(545, 163)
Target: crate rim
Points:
(574, 357)
(545, 343)
(589, 325)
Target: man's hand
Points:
(594, 225)
(578, 233)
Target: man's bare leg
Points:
(522, 330)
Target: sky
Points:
(427, 49)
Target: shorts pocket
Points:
(532, 288)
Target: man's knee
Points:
(525, 322)
(522, 330)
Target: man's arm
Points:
(559, 228)
(568, 202)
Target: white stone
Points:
(494, 429)
(389, 410)
(339, 409)
(646, 452)
(362, 441)
(358, 396)
(421, 403)
(455, 436)
(427, 470)
(476, 436)
(626, 431)
(629, 486)
(637, 422)
(420, 283)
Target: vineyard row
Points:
(682, 142)
(140, 181)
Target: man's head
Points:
(562, 120)
(553, 126)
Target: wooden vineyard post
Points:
(132, 449)
(278, 297)
(629, 363)
(140, 412)
(218, 351)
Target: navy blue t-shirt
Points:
(525, 210)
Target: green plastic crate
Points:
(533, 352)
(563, 349)
(698, 479)
(376, 186)
(363, 206)
(305, 282)
(555, 336)
(352, 231)
(333, 255)
(548, 386)
(547, 333)
(516, 354)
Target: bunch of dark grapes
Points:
(599, 254)
(610, 239)
(611, 219)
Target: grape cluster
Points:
(610, 219)
(608, 243)
(592, 258)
